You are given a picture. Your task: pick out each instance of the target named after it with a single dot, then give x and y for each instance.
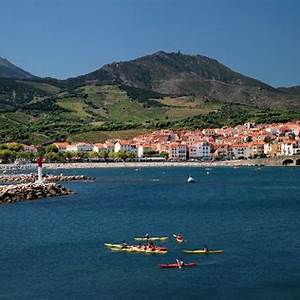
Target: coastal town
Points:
(247, 141)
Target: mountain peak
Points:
(9, 70)
(173, 73)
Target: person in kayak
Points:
(180, 263)
(179, 237)
(151, 245)
(147, 236)
(124, 245)
(205, 248)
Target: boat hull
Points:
(203, 251)
(163, 238)
(174, 266)
(137, 249)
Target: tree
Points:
(103, 154)
(68, 155)
(15, 147)
(92, 154)
(54, 157)
(3, 146)
(51, 148)
(7, 155)
(25, 155)
(164, 154)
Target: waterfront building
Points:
(257, 149)
(80, 147)
(240, 151)
(125, 146)
(177, 151)
(200, 151)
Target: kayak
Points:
(179, 238)
(162, 238)
(170, 266)
(201, 251)
(113, 245)
(138, 250)
(129, 249)
(134, 248)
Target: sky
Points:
(66, 38)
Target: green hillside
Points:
(98, 112)
(162, 90)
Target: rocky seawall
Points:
(31, 191)
(31, 178)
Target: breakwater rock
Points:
(31, 191)
(27, 178)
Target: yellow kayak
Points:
(138, 250)
(120, 247)
(161, 238)
(129, 249)
(113, 245)
(202, 251)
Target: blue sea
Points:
(53, 248)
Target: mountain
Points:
(9, 70)
(160, 90)
(177, 74)
(293, 90)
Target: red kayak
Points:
(169, 266)
(179, 238)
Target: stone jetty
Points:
(31, 191)
(31, 178)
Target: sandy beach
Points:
(84, 165)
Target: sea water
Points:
(53, 248)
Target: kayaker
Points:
(179, 263)
(179, 237)
(205, 248)
(124, 245)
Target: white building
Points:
(80, 147)
(177, 151)
(288, 148)
(240, 151)
(125, 146)
(200, 150)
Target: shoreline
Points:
(96, 165)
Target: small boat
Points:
(153, 238)
(203, 251)
(135, 248)
(179, 238)
(190, 179)
(113, 245)
(171, 266)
